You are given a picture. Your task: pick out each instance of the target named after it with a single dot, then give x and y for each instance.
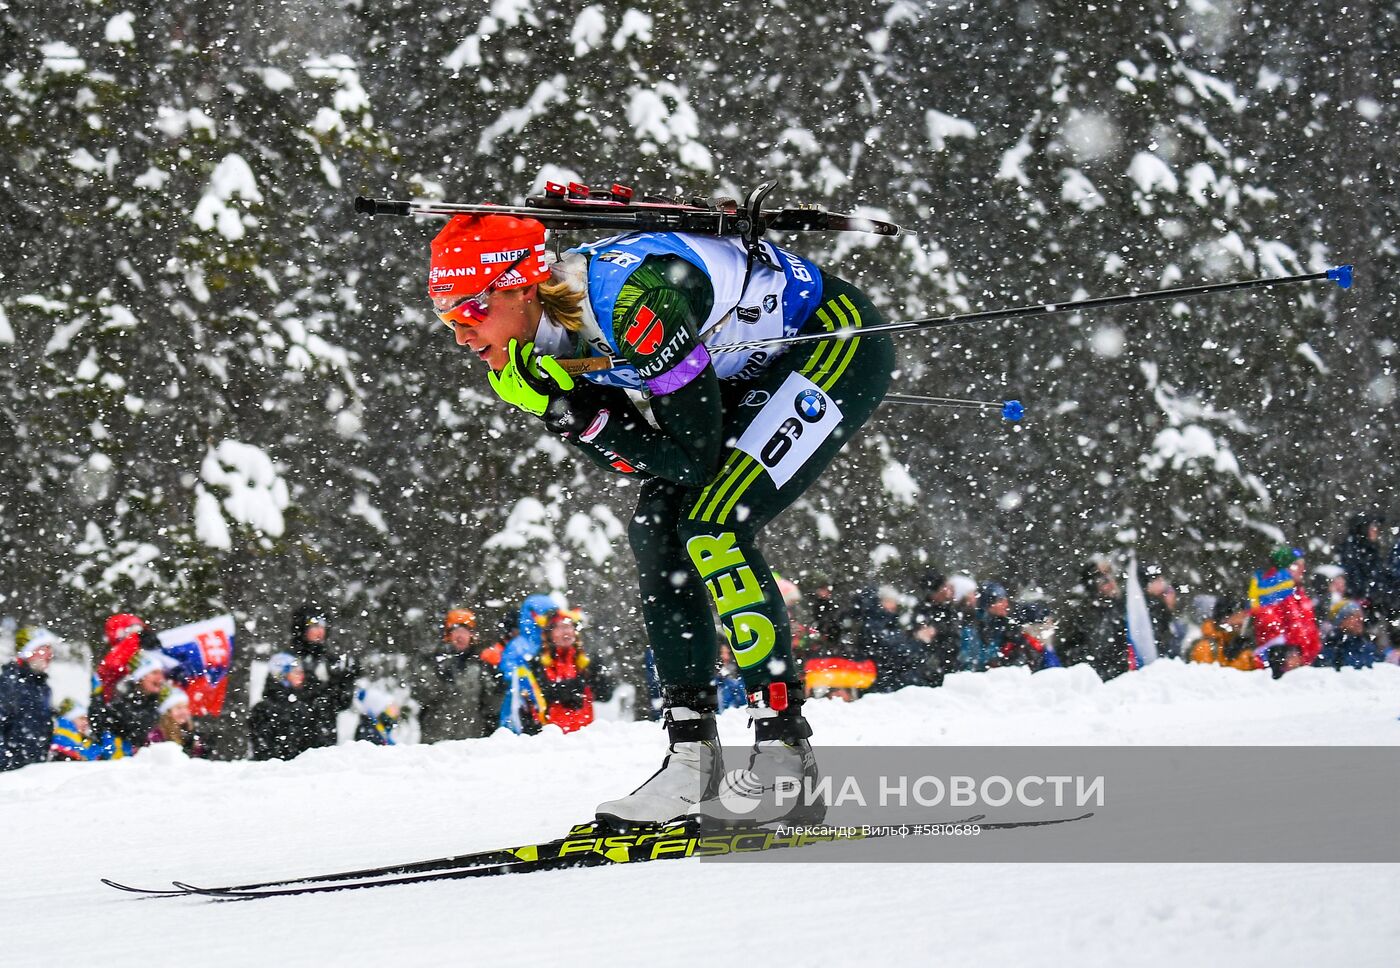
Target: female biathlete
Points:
(721, 441)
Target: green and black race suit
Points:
(723, 457)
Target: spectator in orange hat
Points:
(454, 689)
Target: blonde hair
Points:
(173, 731)
(563, 303)
(563, 294)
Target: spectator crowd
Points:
(1283, 616)
(540, 674)
(1339, 614)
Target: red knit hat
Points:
(121, 625)
(473, 250)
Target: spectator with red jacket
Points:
(1285, 624)
(565, 673)
(126, 635)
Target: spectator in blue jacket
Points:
(72, 735)
(521, 706)
(993, 631)
(26, 701)
(729, 685)
(898, 656)
(1347, 645)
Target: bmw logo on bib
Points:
(782, 440)
(811, 404)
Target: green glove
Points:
(528, 381)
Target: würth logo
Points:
(644, 335)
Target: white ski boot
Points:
(778, 786)
(690, 772)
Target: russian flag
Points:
(1142, 643)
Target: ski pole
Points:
(1341, 275)
(1011, 410)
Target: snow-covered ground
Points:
(159, 816)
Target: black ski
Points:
(147, 891)
(584, 846)
(495, 855)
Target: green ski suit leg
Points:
(696, 546)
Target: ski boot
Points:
(689, 774)
(778, 787)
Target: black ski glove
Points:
(572, 412)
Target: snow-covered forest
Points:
(221, 389)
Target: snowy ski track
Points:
(159, 816)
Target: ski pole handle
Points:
(589, 364)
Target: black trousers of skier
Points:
(696, 547)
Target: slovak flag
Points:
(205, 652)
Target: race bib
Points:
(790, 427)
